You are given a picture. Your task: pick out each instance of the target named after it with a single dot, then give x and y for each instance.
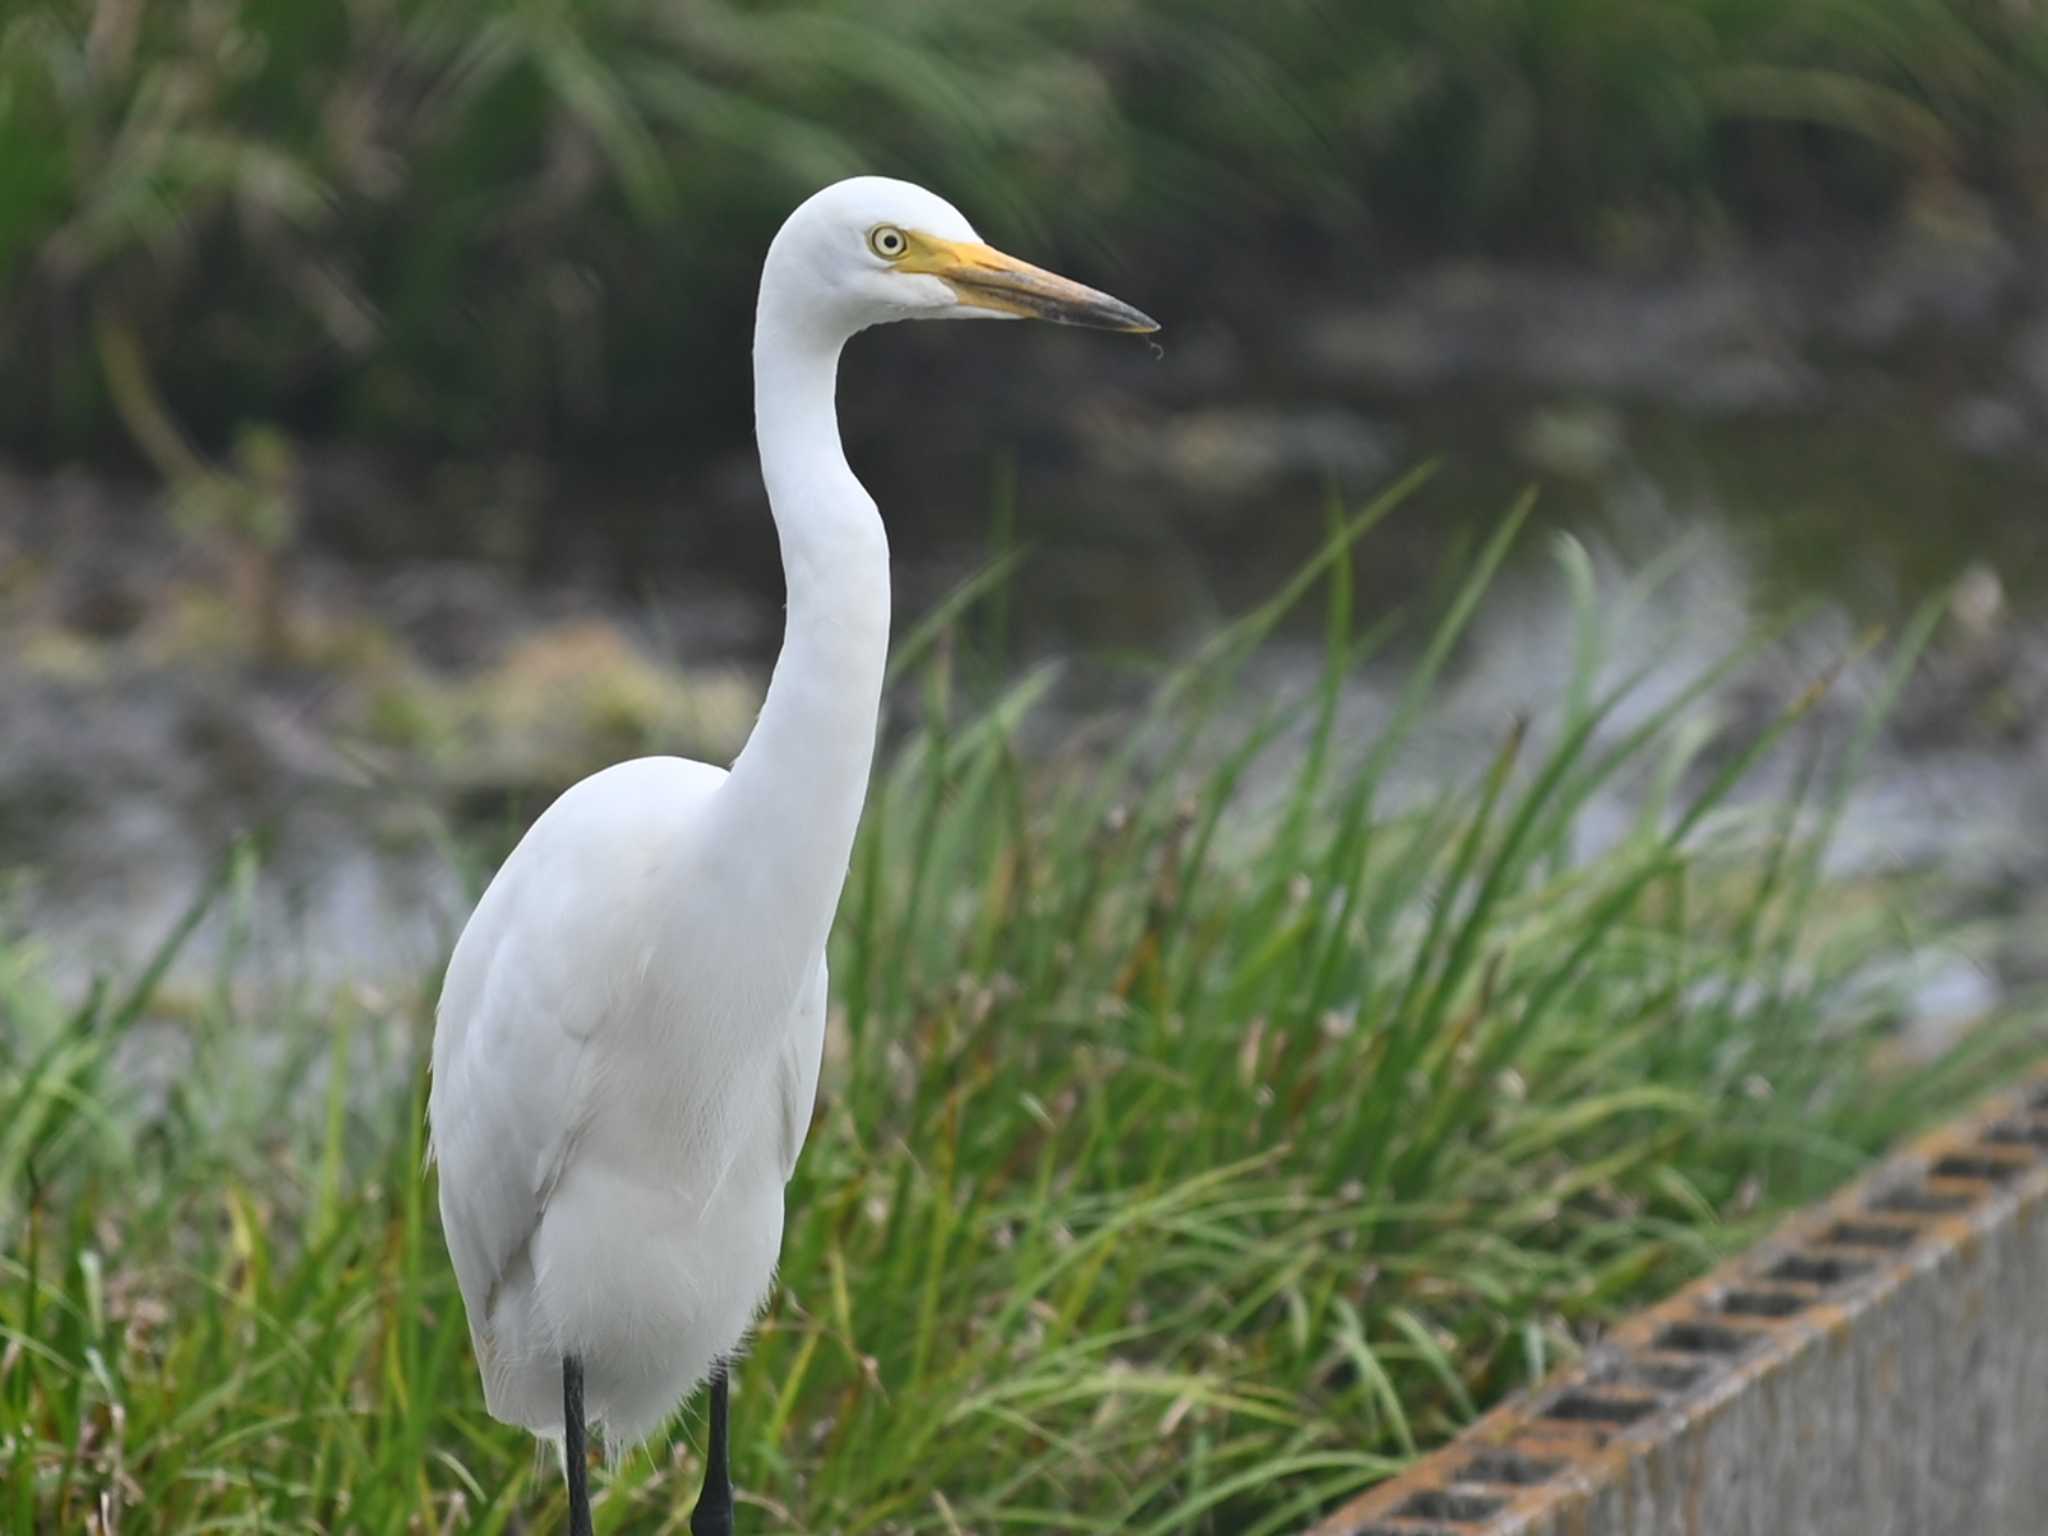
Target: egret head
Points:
(870, 250)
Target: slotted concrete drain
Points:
(1818, 1269)
(1764, 1303)
(1670, 1377)
(1509, 1470)
(1598, 1408)
(1879, 1367)
(1443, 1504)
(1870, 1234)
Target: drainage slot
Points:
(1921, 1202)
(1817, 1269)
(2019, 1133)
(1701, 1339)
(1664, 1375)
(1989, 1169)
(1506, 1468)
(1587, 1408)
(1764, 1303)
(1869, 1234)
(1441, 1504)
(1668, 1378)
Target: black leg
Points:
(572, 1446)
(713, 1514)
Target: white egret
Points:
(627, 1048)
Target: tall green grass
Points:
(463, 222)
(1213, 1116)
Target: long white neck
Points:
(783, 824)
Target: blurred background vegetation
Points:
(1257, 1045)
(375, 444)
(466, 223)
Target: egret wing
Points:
(545, 964)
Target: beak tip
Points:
(1129, 319)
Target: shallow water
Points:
(1783, 466)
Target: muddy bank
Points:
(1849, 421)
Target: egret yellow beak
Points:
(987, 279)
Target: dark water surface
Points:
(1855, 450)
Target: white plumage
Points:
(628, 1040)
(615, 1110)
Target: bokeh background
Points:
(374, 407)
(1248, 1061)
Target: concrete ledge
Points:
(1878, 1367)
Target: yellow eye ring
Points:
(888, 242)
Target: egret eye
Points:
(887, 241)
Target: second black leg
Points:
(573, 1446)
(713, 1514)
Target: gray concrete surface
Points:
(1878, 1368)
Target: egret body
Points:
(627, 1047)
